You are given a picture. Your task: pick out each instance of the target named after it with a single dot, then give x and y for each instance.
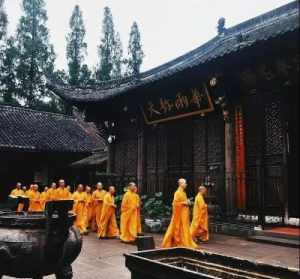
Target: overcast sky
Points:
(169, 28)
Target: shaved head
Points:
(182, 183)
(80, 187)
(112, 189)
(131, 186)
(202, 189)
(99, 186)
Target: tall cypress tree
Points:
(36, 55)
(106, 48)
(76, 48)
(3, 20)
(117, 58)
(8, 56)
(8, 80)
(135, 52)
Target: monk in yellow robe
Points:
(98, 196)
(44, 197)
(178, 233)
(89, 206)
(34, 199)
(16, 193)
(199, 226)
(108, 224)
(52, 192)
(62, 193)
(129, 214)
(80, 209)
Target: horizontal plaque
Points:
(183, 104)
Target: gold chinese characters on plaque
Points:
(183, 104)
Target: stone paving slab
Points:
(103, 259)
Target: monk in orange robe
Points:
(44, 197)
(129, 214)
(16, 193)
(178, 233)
(89, 206)
(80, 209)
(52, 192)
(199, 226)
(62, 193)
(108, 223)
(98, 196)
(34, 199)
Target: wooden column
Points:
(230, 187)
(141, 158)
(109, 157)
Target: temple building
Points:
(224, 115)
(38, 147)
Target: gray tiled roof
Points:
(264, 27)
(26, 129)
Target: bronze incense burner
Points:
(33, 245)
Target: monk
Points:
(52, 192)
(16, 193)
(108, 223)
(98, 196)
(178, 233)
(62, 193)
(34, 199)
(89, 206)
(80, 209)
(129, 214)
(44, 197)
(199, 226)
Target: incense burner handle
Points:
(5, 255)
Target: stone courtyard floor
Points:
(103, 259)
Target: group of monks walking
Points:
(96, 211)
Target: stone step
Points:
(275, 240)
(277, 234)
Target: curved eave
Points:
(240, 37)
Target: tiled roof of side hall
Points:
(32, 130)
(261, 28)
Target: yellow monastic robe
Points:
(34, 201)
(52, 196)
(178, 233)
(129, 217)
(199, 226)
(44, 198)
(108, 223)
(17, 193)
(63, 194)
(28, 192)
(89, 209)
(98, 196)
(80, 209)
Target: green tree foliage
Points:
(79, 74)
(8, 54)
(135, 52)
(106, 48)
(118, 60)
(36, 55)
(8, 79)
(3, 20)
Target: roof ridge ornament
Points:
(221, 26)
